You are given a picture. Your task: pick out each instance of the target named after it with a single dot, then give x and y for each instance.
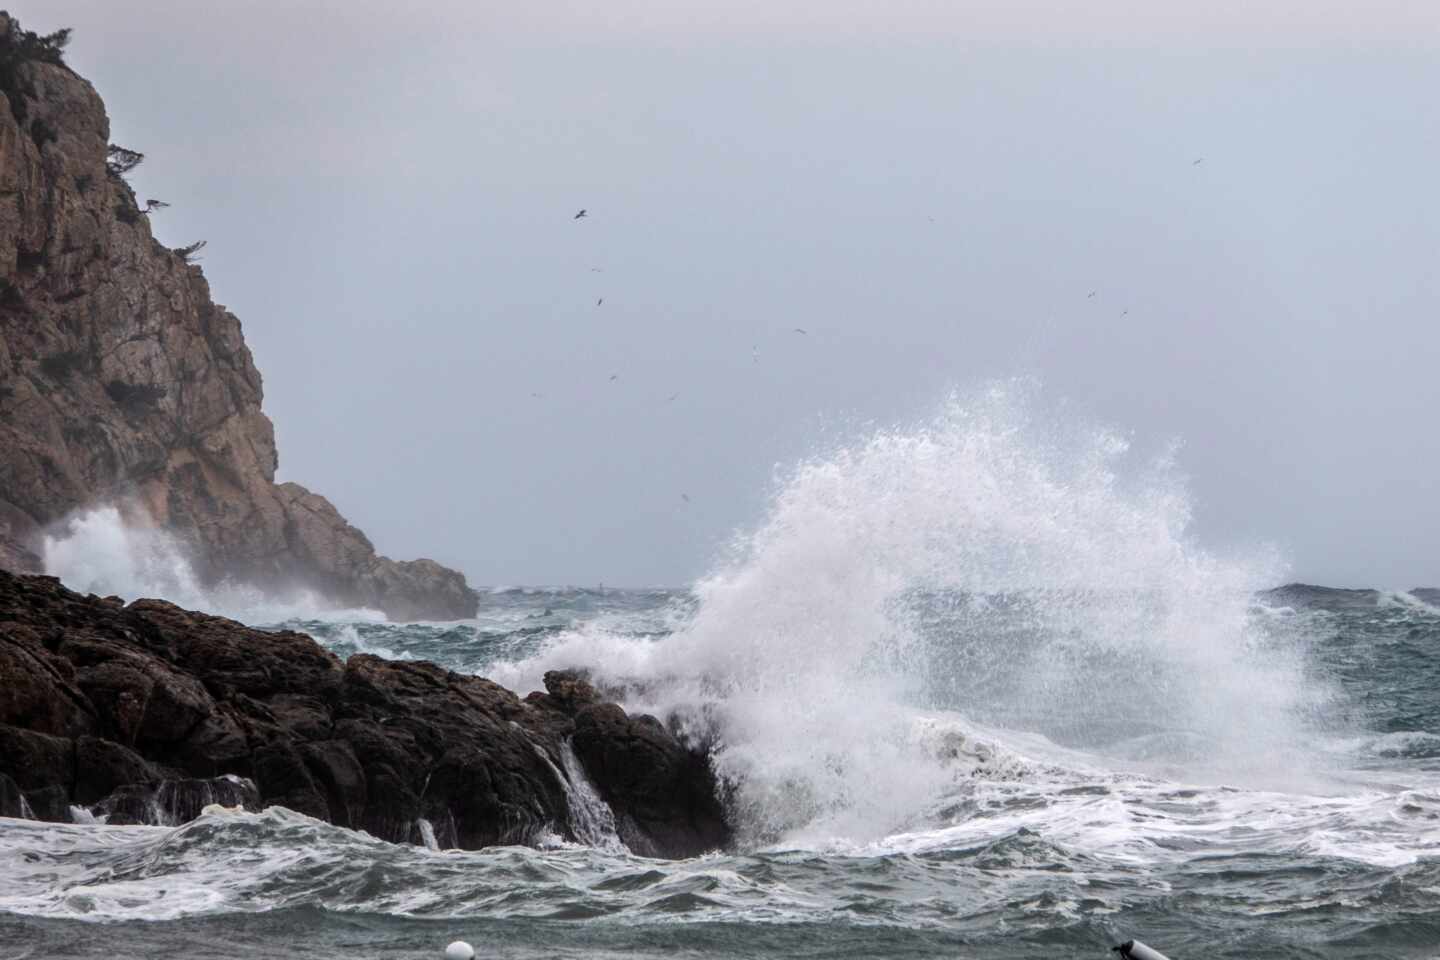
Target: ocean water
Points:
(976, 692)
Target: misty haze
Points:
(936, 478)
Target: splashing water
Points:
(97, 551)
(924, 591)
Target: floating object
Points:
(1135, 950)
(460, 950)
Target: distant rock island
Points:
(121, 381)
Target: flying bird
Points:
(1198, 162)
(600, 301)
(595, 269)
(685, 497)
(799, 329)
(537, 396)
(614, 377)
(1090, 295)
(579, 215)
(671, 398)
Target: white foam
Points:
(98, 551)
(591, 819)
(1075, 603)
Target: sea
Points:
(974, 686)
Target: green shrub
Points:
(59, 366)
(42, 133)
(121, 160)
(10, 296)
(19, 47)
(134, 396)
(188, 253)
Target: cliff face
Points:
(122, 381)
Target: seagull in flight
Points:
(799, 329)
(579, 215)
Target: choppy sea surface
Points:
(976, 693)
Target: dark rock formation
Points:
(144, 711)
(122, 381)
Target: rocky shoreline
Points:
(145, 712)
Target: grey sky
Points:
(930, 189)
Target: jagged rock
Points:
(662, 793)
(122, 381)
(102, 705)
(169, 802)
(12, 800)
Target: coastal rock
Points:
(141, 712)
(122, 381)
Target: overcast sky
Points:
(930, 189)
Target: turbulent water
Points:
(976, 693)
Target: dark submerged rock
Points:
(146, 713)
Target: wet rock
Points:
(162, 695)
(12, 800)
(664, 795)
(167, 803)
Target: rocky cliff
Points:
(144, 713)
(122, 381)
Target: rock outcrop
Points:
(122, 381)
(146, 712)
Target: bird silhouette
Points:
(579, 215)
(799, 329)
(600, 301)
(614, 377)
(1197, 162)
(1090, 295)
(671, 398)
(685, 497)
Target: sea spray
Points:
(101, 551)
(993, 566)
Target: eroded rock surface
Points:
(127, 710)
(122, 380)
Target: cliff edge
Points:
(122, 381)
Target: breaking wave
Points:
(98, 551)
(991, 587)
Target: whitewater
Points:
(974, 690)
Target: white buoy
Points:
(459, 950)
